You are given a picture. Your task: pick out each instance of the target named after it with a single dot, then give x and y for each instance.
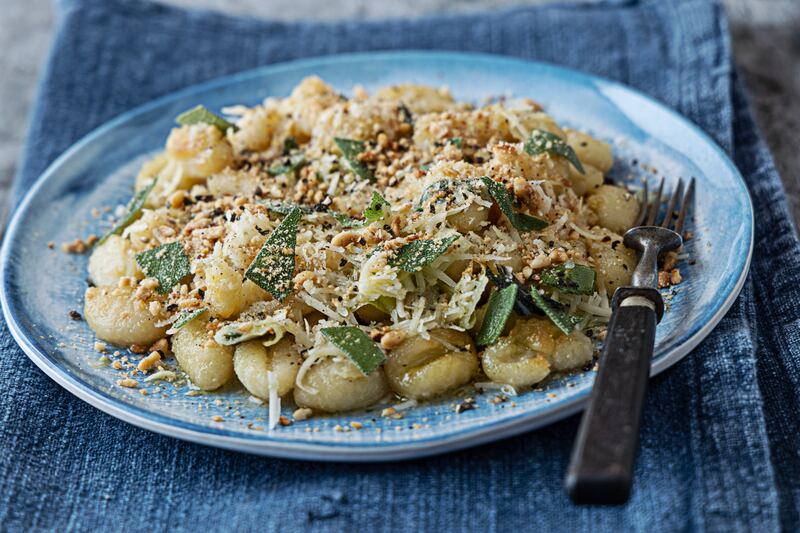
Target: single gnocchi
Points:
(422, 368)
(113, 259)
(209, 365)
(252, 362)
(117, 316)
(336, 385)
(615, 207)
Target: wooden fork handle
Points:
(601, 467)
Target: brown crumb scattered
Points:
(74, 315)
(99, 346)
(51, 245)
(137, 348)
(116, 365)
(77, 246)
(217, 418)
(675, 276)
(389, 411)
(284, 421)
(356, 425)
(128, 383)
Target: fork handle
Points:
(601, 467)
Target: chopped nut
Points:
(558, 256)
(161, 345)
(148, 362)
(392, 339)
(304, 413)
(344, 238)
(75, 247)
(149, 283)
(675, 276)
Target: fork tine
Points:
(687, 198)
(652, 210)
(677, 193)
(643, 208)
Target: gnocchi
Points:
(343, 252)
(209, 365)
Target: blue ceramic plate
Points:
(39, 285)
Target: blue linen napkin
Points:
(720, 440)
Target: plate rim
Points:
(338, 452)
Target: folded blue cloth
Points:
(720, 440)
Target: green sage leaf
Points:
(166, 263)
(377, 209)
(570, 278)
(201, 115)
(416, 254)
(134, 212)
(273, 267)
(289, 167)
(350, 150)
(502, 197)
(357, 346)
(541, 141)
(186, 317)
(501, 303)
(564, 321)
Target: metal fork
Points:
(601, 466)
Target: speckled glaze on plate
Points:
(99, 171)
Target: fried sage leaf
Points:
(186, 317)
(502, 197)
(357, 346)
(416, 254)
(564, 321)
(201, 115)
(377, 209)
(270, 330)
(133, 214)
(284, 208)
(273, 267)
(350, 150)
(541, 141)
(501, 303)
(289, 166)
(570, 278)
(166, 263)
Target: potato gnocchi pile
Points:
(335, 251)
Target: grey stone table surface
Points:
(766, 37)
